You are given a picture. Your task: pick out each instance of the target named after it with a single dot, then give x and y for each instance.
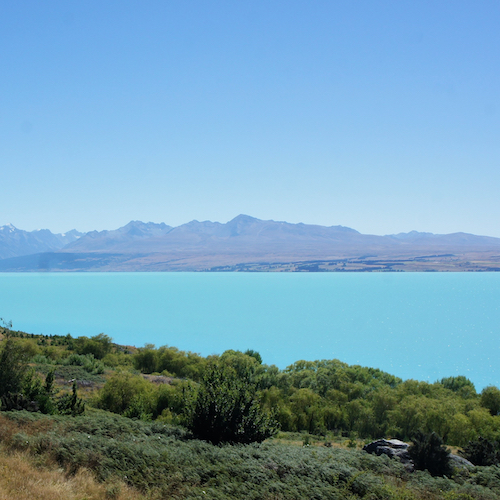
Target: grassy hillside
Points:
(137, 436)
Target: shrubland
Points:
(164, 423)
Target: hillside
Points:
(135, 437)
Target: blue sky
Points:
(378, 115)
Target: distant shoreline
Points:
(98, 262)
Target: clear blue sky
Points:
(383, 116)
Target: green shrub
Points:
(490, 399)
(482, 452)
(226, 409)
(428, 453)
(87, 361)
(99, 345)
(124, 390)
(13, 366)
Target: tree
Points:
(254, 354)
(227, 410)
(428, 453)
(458, 383)
(121, 390)
(71, 404)
(490, 399)
(13, 366)
(146, 359)
(482, 452)
(98, 345)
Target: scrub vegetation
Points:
(88, 418)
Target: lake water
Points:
(423, 326)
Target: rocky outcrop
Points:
(393, 448)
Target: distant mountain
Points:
(16, 242)
(454, 239)
(244, 243)
(242, 235)
(128, 238)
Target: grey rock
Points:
(393, 448)
(460, 462)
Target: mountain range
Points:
(244, 243)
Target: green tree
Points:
(71, 404)
(99, 345)
(428, 453)
(254, 354)
(490, 399)
(226, 409)
(122, 390)
(13, 367)
(459, 384)
(146, 360)
(482, 452)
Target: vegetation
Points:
(226, 408)
(164, 423)
(482, 452)
(428, 453)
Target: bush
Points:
(87, 361)
(428, 453)
(71, 404)
(124, 390)
(490, 399)
(99, 345)
(226, 409)
(482, 452)
(13, 366)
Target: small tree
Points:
(13, 367)
(428, 452)
(99, 345)
(122, 389)
(226, 409)
(71, 404)
(459, 384)
(490, 399)
(482, 452)
(39, 394)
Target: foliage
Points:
(320, 397)
(87, 361)
(122, 390)
(71, 404)
(226, 408)
(459, 384)
(254, 354)
(490, 399)
(170, 361)
(482, 452)
(13, 366)
(98, 346)
(428, 453)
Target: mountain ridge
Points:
(16, 242)
(242, 241)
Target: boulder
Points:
(393, 448)
(460, 462)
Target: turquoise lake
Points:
(423, 326)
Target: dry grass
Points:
(21, 480)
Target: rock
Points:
(392, 448)
(460, 462)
